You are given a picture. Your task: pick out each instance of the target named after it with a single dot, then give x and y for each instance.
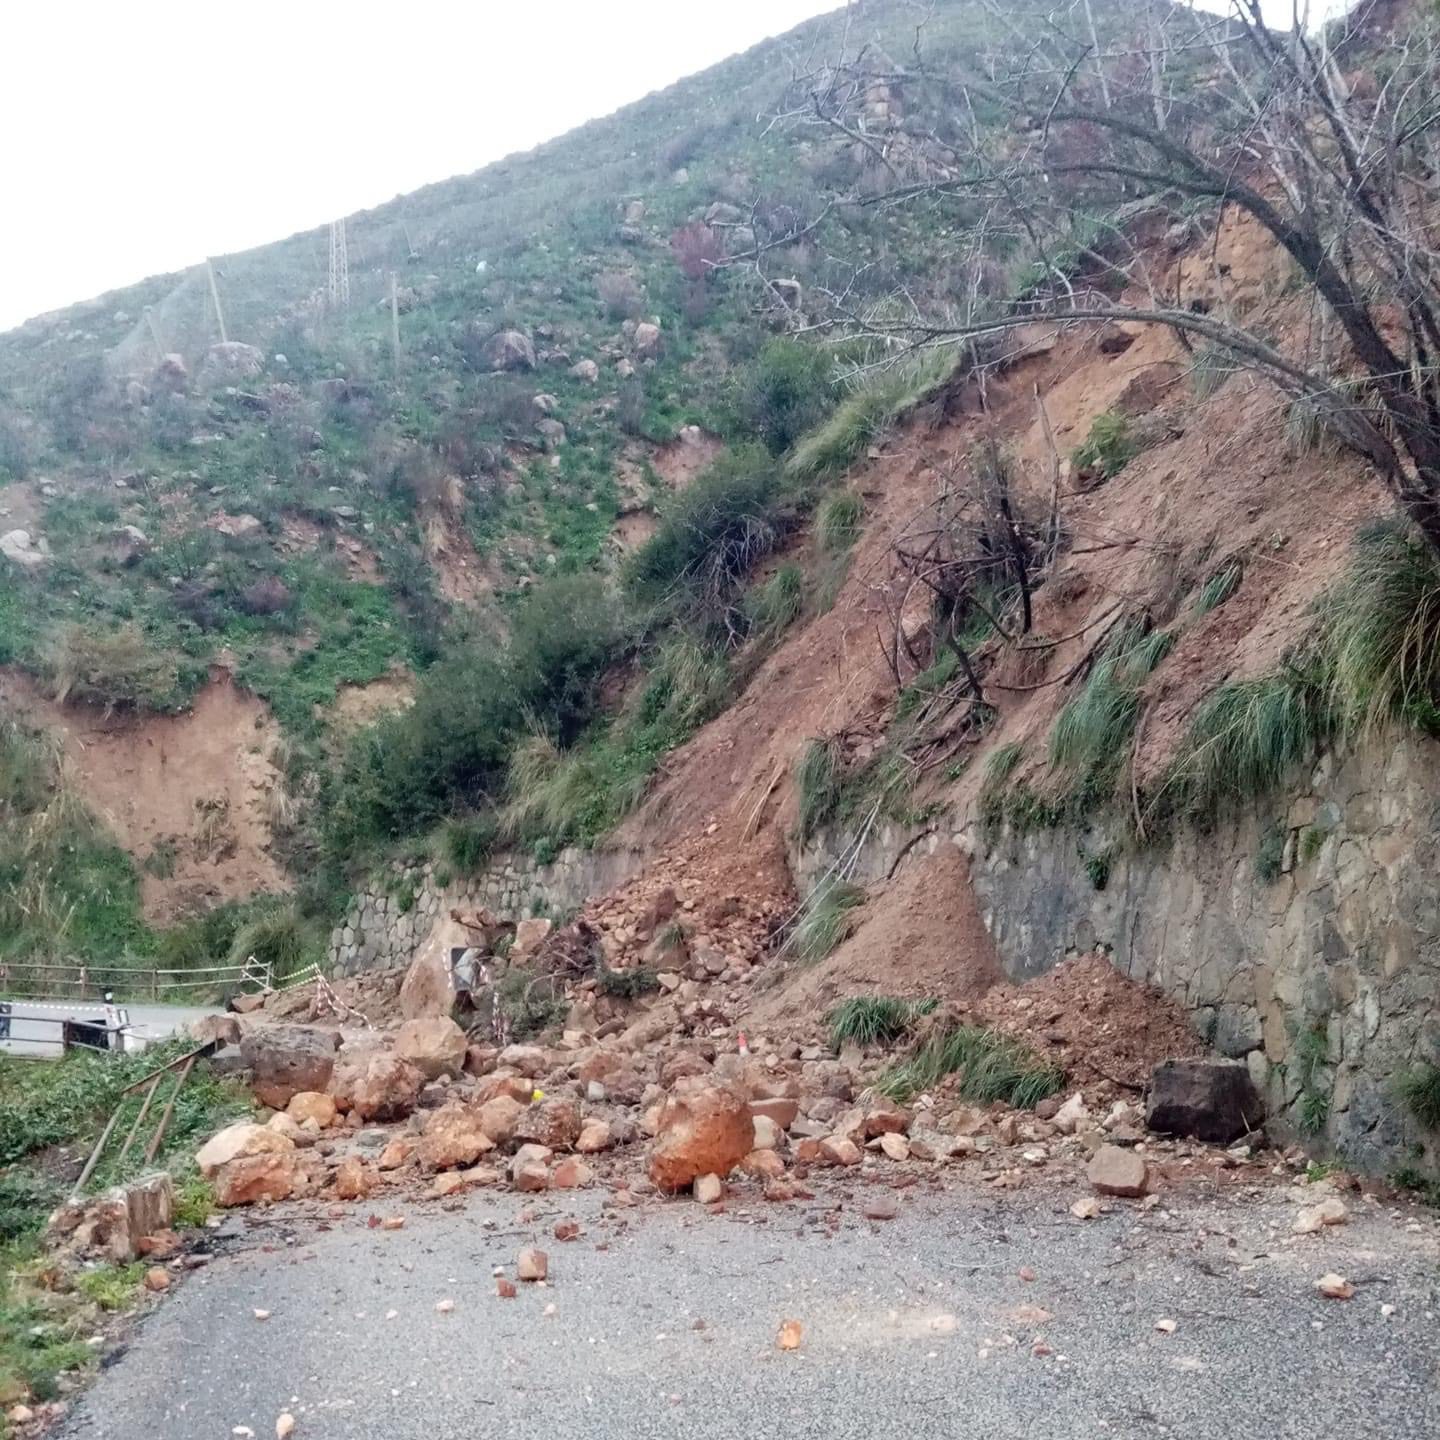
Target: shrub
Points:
(712, 533)
(1211, 367)
(466, 841)
(786, 390)
(1420, 1091)
(1380, 634)
(621, 295)
(278, 936)
(989, 1067)
(564, 634)
(1109, 447)
(1246, 739)
(113, 668)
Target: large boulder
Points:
(23, 551)
(453, 1136)
(706, 1133)
(286, 1059)
(221, 1029)
(229, 361)
(427, 989)
(376, 1084)
(274, 1175)
(554, 1124)
(530, 935)
(172, 373)
(500, 1118)
(236, 1142)
(509, 350)
(649, 343)
(1211, 1100)
(435, 1046)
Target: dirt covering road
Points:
(972, 1312)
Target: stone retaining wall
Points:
(383, 926)
(1304, 940)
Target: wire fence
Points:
(57, 981)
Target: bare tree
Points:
(1120, 113)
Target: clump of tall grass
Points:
(819, 780)
(867, 412)
(874, 1019)
(989, 1066)
(1221, 585)
(837, 521)
(824, 919)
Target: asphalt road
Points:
(921, 1326)
(34, 1033)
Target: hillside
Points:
(883, 440)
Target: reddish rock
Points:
(595, 1136)
(513, 1087)
(553, 1123)
(376, 1085)
(434, 1045)
(706, 1133)
(567, 1230)
(312, 1105)
(499, 1117)
(157, 1279)
(532, 1264)
(884, 1117)
(396, 1152)
(354, 1179)
(237, 1141)
(762, 1165)
(839, 1150)
(571, 1174)
(453, 1136)
(782, 1110)
(252, 1178)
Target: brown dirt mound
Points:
(919, 937)
(194, 786)
(1098, 1024)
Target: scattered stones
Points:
(1085, 1208)
(1113, 1171)
(571, 1173)
(791, 1333)
(880, 1207)
(1334, 1287)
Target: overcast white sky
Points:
(141, 136)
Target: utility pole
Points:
(154, 333)
(215, 296)
(339, 267)
(394, 322)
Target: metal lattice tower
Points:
(339, 267)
